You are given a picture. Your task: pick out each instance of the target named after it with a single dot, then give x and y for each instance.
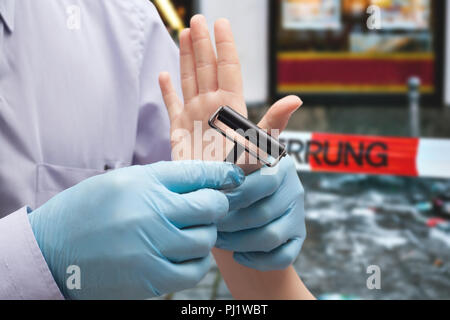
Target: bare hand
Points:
(210, 81)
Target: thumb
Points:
(279, 114)
(189, 176)
(276, 118)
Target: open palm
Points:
(210, 81)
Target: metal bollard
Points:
(414, 106)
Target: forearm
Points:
(249, 284)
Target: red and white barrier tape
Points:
(414, 157)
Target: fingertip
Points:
(222, 30)
(222, 23)
(185, 37)
(279, 114)
(240, 174)
(197, 20)
(165, 83)
(185, 32)
(297, 99)
(164, 77)
(235, 176)
(293, 103)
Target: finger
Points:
(189, 176)
(201, 208)
(185, 275)
(279, 114)
(258, 186)
(191, 244)
(276, 120)
(264, 239)
(187, 62)
(228, 66)
(205, 57)
(260, 213)
(173, 104)
(194, 271)
(278, 259)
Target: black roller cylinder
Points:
(240, 124)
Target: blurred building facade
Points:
(347, 50)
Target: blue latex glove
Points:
(136, 232)
(266, 224)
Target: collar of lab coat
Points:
(7, 11)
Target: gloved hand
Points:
(136, 232)
(266, 224)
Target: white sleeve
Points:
(24, 274)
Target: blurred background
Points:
(366, 67)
